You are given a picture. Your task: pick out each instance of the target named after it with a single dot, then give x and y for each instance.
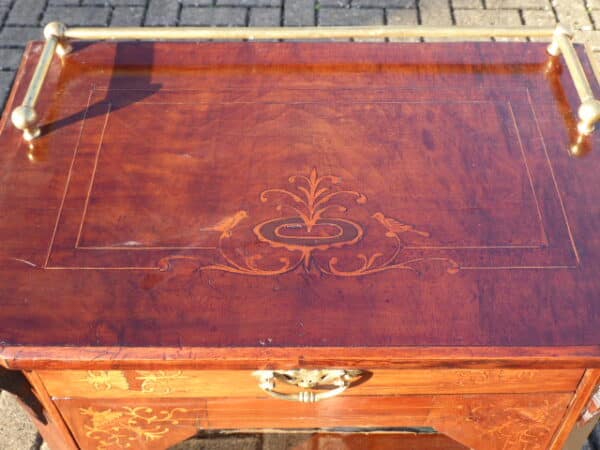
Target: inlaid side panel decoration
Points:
(123, 427)
(144, 381)
(316, 226)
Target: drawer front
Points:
(482, 421)
(242, 383)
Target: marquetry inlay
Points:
(105, 380)
(126, 427)
(316, 225)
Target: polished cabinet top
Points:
(300, 195)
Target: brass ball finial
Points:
(55, 29)
(563, 29)
(589, 114)
(560, 30)
(25, 118)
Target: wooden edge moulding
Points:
(58, 37)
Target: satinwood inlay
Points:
(316, 226)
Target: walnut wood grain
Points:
(499, 199)
(223, 383)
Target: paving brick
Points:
(265, 17)
(19, 36)
(197, 2)
(162, 13)
(352, 16)
(17, 432)
(593, 4)
(3, 14)
(127, 16)
(384, 3)
(10, 58)
(248, 2)
(572, 12)
(338, 3)
(596, 18)
(6, 79)
(467, 4)
(113, 2)
(518, 4)
(65, 2)
(492, 18)
(299, 13)
(593, 39)
(78, 16)
(219, 16)
(435, 13)
(402, 17)
(539, 18)
(25, 12)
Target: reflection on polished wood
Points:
(361, 439)
(57, 35)
(114, 301)
(90, 223)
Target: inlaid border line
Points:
(400, 102)
(562, 205)
(68, 181)
(529, 175)
(93, 176)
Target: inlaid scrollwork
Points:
(158, 381)
(128, 427)
(315, 225)
(105, 380)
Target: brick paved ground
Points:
(21, 20)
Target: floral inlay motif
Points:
(105, 380)
(126, 427)
(158, 381)
(315, 225)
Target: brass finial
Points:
(55, 29)
(560, 31)
(589, 114)
(25, 118)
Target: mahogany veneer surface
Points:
(300, 195)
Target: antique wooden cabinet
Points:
(391, 234)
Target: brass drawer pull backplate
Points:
(316, 384)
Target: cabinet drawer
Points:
(242, 383)
(483, 421)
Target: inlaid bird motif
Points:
(227, 224)
(395, 227)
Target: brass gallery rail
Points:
(58, 36)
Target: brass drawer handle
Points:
(339, 380)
